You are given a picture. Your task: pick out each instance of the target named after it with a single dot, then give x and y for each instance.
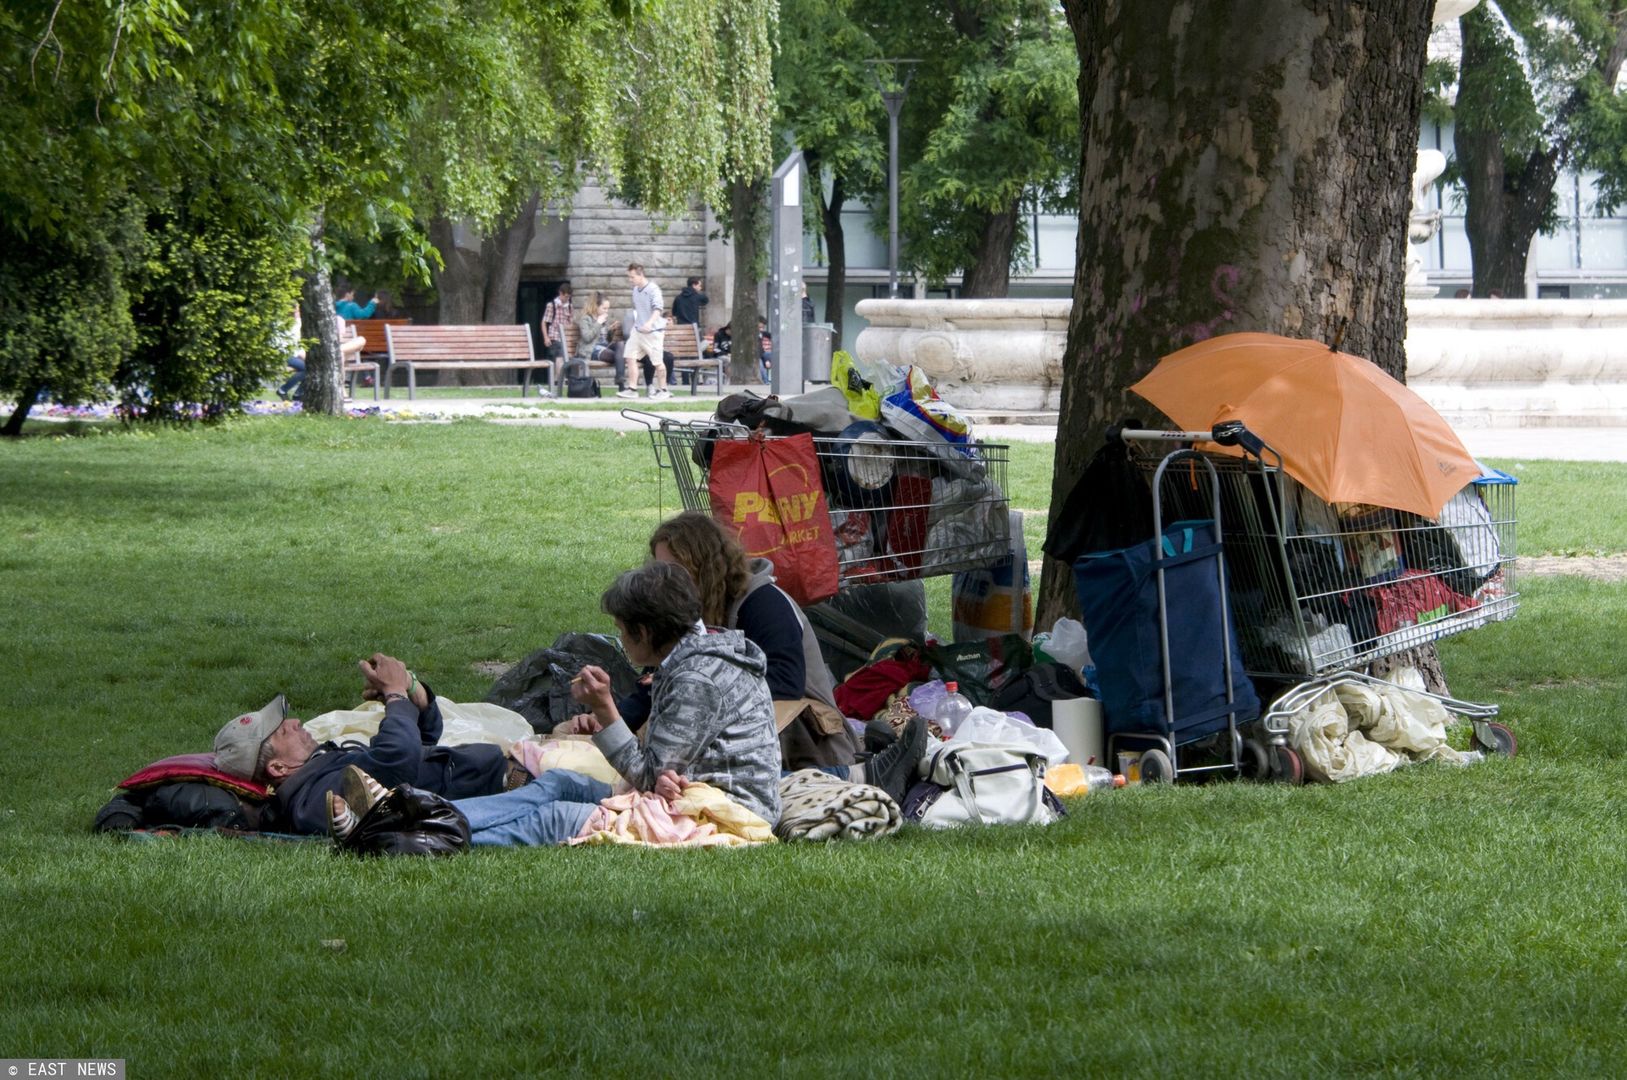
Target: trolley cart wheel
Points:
(1156, 768)
(1495, 738)
(1255, 760)
(1287, 767)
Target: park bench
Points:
(450, 348)
(353, 364)
(372, 330)
(683, 341)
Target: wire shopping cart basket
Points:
(899, 509)
(1320, 591)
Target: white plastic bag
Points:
(1068, 645)
(990, 726)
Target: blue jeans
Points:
(291, 387)
(548, 811)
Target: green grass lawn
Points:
(1435, 921)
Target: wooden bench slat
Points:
(437, 348)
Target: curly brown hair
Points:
(713, 558)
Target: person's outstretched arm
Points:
(412, 720)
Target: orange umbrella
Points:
(1346, 430)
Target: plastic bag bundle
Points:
(408, 821)
(989, 726)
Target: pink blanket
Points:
(701, 817)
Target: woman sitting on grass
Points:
(740, 594)
(711, 720)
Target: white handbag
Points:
(982, 784)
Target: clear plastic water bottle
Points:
(953, 711)
(1100, 779)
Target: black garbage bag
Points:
(408, 821)
(852, 623)
(180, 804)
(539, 687)
(984, 668)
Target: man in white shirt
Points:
(647, 338)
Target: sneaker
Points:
(893, 768)
(341, 818)
(360, 790)
(660, 395)
(627, 392)
(878, 736)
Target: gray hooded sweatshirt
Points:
(711, 719)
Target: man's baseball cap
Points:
(237, 745)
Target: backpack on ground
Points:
(578, 382)
(982, 784)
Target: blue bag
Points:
(1118, 597)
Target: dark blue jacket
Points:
(403, 752)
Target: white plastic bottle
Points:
(1100, 779)
(953, 711)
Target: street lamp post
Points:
(892, 96)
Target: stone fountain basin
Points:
(1489, 363)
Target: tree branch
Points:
(48, 36)
(118, 32)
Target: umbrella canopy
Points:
(1346, 430)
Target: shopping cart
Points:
(1321, 591)
(900, 510)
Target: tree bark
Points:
(460, 284)
(505, 260)
(990, 272)
(25, 404)
(748, 222)
(1242, 167)
(322, 390)
(830, 216)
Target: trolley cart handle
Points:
(1225, 433)
(1233, 433)
(648, 419)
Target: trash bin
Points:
(818, 343)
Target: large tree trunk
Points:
(990, 272)
(748, 222)
(830, 216)
(25, 403)
(460, 284)
(1242, 167)
(1503, 211)
(322, 390)
(476, 287)
(505, 260)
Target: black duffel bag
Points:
(408, 821)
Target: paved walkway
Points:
(1533, 443)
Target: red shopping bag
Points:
(768, 492)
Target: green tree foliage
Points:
(65, 320)
(214, 311)
(1536, 94)
(357, 118)
(828, 107)
(992, 120)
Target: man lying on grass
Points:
(271, 747)
(711, 720)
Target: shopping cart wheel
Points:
(1287, 767)
(1255, 760)
(1495, 738)
(1155, 768)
